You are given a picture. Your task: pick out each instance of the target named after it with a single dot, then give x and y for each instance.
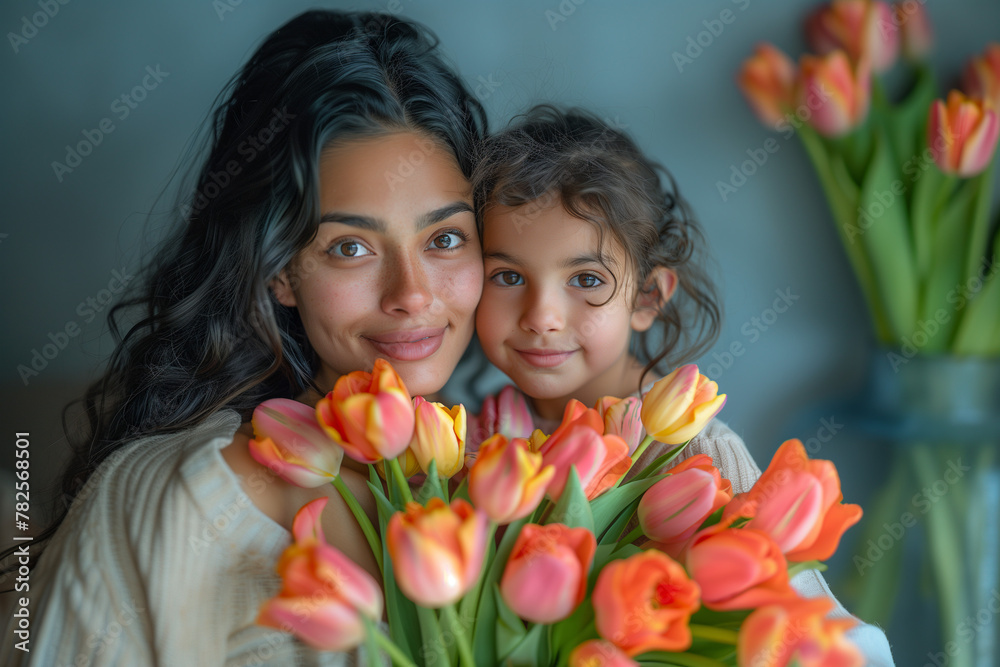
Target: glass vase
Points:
(919, 448)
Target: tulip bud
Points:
(600, 460)
(644, 603)
(680, 405)
(915, 25)
(767, 80)
(437, 551)
(797, 631)
(837, 94)
(506, 413)
(981, 76)
(962, 134)
(369, 414)
(673, 509)
(545, 577)
(439, 435)
(288, 440)
(863, 29)
(621, 418)
(508, 480)
(324, 594)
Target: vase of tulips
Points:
(909, 183)
(532, 558)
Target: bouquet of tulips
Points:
(909, 182)
(530, 559)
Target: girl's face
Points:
(535, 321)
(395, 270)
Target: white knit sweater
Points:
(164, 560)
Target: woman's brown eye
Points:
(443, 241)
(349, 249)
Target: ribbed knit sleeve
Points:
(162, 560)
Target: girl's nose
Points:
(406, 290)
(542, 313)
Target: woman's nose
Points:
(407, 291)
(542, 313)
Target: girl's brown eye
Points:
(443, 241)
(587, 280)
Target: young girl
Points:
(592, 284)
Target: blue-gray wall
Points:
(62, 241)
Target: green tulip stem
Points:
(464, 649)
(646, 442)
(386, 644)
(714, 634)
(399, 479)
(359, 514)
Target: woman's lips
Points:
(545, 358)
(409, 345)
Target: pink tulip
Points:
(439, 435)
(600, 460)
(621, 417)
(837, 94)
(962, 134)
(797, 631)
(767, 80)
(437, 551)
(545, 577)
(680, 405)
(863, 29)
(508, 480)
(673, 509)
(981, 76)
(288, 440)
(324, 594)
(369, 414)
(917, 34)
(506, 413)
(599, 653)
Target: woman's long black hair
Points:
(206, 332)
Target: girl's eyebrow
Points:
(581, 260)
(503, 257)
(378, 225)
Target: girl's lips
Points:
(412, 345)
(545, 358)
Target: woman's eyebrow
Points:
(378, 225)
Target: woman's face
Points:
(396, 269)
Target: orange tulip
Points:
(545, 577)
(837, 94)
(437, 551)
(962, 134)
(915, 26)
(861, 28)
(508, 480)
(288, 440)
(767, 80)
(369, 414)
(737, 568)
(599, 653)
(621, 418)
(680, 405)
(600, 460)
(438, 435)
(797, 631)
(981, 77)
(797, 501)
(644, 602)
(673, 509)
(324, 594)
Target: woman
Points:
(349, 234)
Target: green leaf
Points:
(510, 628)
(883, 217)
(484, 636)
(908, 120)
(434, 650)
(572, 508)
(980, 228)
(611, 505)
(431, 488)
